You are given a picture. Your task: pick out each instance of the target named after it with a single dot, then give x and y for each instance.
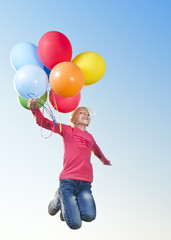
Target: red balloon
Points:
(54, 47)
(64, 104)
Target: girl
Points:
(74, 196)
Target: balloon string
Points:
(42, 125)
(49, 112)
(42, 103)
(54, 100)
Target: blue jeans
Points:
(77, 202)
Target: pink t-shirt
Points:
(78, 146)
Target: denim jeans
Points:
(77, 202)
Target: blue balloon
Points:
(31, 81)
(47, 70)
(25, 53)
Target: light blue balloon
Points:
(30, 81)
(25, 53)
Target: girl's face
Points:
(82, 117)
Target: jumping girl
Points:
(74, 197)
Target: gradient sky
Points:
(132, 124)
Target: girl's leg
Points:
(86, 202)
(69, 206)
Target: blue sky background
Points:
(132, 123)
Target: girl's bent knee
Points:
(74, 226)
(88, 218)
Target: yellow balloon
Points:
(92, 65)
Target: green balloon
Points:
(44, 99)
(24, 101)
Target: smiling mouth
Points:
(85, 120)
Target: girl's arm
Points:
(40, 119)
(98, 153)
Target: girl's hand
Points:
(109, 163)
(32, 103)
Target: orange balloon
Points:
(66, 79)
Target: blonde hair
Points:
(72, 115)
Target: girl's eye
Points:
(87, 114)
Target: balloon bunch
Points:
(48, 69)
